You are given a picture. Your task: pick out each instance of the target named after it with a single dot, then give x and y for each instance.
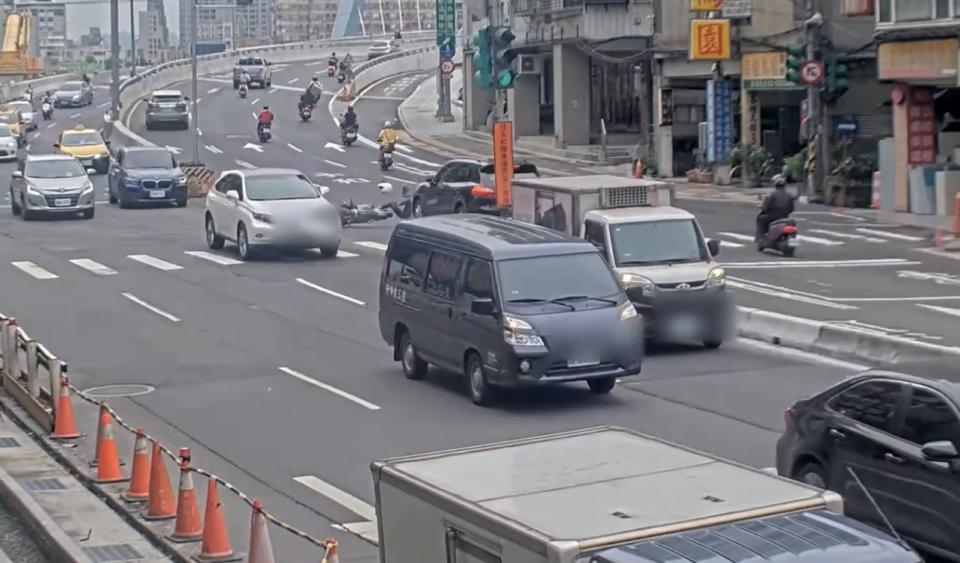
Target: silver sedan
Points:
(27, 112)
(51, 184)
(270, 207)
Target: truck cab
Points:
(659, 253)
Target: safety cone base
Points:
(93, 463)
(117, 480)
(186, 539)
(68, 436)
(128, 498)
(146, 516)
(218, 559)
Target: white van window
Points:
(657, 242)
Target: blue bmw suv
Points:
(146, 174)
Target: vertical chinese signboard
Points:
(446, 22)
(719, 119)
(921, 127)
(709, 40)
(503, 161)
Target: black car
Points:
(462, 186)
(897, 433)
(146, 174)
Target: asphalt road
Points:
(277, 377)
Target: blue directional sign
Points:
(447, 50)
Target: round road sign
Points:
(446, 66)
(812, 72)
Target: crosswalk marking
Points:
(953, 312)
(215, 258)
(818, 240)
(730, 244)
(94, 267)
(154, 262)
(345, 254)
(895, 236)
(372, 245)
(35, 271)
(736, 236)
(850, 236)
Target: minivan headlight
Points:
(518, 332)
(633, 280)
(717, 277)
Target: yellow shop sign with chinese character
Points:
(709, 40)
(706, 5)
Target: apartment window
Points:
(943, 9)
(917, 10)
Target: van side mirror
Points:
(324, 190)
(941, 450)
(233, 194)
(713, 245)
(483, 307)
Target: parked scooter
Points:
(781, 236)
(348, 135)
(306, 112)
(242, 90)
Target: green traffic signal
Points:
(505, 79)
(482, 59)
(503, 56)
(796, 55)
(482, 78)
(837, 78)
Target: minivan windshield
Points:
(648, 243)
(561, 279)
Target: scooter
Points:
(386, 158)
(264, 134)
(306, 112)
(331, 69)
(341, 77)
(242, 90)
(358, 214)
(348, 135)
(47, 110)
(781, 236)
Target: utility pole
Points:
(195, 107)
(496, 20)
(133, 45)
(115, 59)
(815, 112)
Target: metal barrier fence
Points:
(39, 393)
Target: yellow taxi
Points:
(13, 119)
(87, 145)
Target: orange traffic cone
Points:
(65, 426)
(215, 547)
(139, 490)
(108, 462)
(261, 550)
(188, 527)
(160, 501)
(956, 216)
(331, 554)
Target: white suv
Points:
(271, 207)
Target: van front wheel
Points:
(481, 392)
(413, 365)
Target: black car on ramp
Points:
(463, 186)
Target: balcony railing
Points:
(531, 7)
(906, 14)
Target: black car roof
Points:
(491, 237)
(146, 149)
(940, 375)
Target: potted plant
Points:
(754, 161)
(850, 181)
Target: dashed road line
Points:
(337, 164)
(51, 126)
(895, 236)
(245, 164)
(151, 308)
(294, 147)
(785, 293)
(94, 267)
(953, 312)
(292, 81)
(336, 391)
(872, 262)
(76, 115)
(155, 262)
(35, 270)
(215, 258)
(731, 244)
(379, 246)
(213, 90)
(331, 293)
(339, 496)
(255, 102)
(736, 236)
(818, 240)
(213, 149)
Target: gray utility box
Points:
(562, 497)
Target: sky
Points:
(80, 18)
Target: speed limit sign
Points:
(811, 72)
(446, 67)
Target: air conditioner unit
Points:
(530, 64)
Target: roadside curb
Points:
(78, 469)
(56, 543)
(832, 339)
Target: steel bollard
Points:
(12, 361)
(33, 378)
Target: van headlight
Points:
(518, 332)
(629, 280)
(628, 312)
(717, 277)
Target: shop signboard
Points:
(706, 5)
(921, 127)
(765, 71)
(719, 119)
(737, 9)
(709, 40)
(918, 60)
(503, 161)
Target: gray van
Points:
(507, 304)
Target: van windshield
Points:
(561, 279)
(675, 241)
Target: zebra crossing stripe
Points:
(35, 271)
(94, 267)
(154, 262)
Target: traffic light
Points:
(503, 57)
(837, 83)
(796, 55)
(483, 59)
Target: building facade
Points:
(50, 21)
(254, 24)
(153, 37)
(304, 20)
(215, 24)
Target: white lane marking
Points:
(174, 150)
(850, 236)
(822, 263)
(154, 262)
(199, 132)
(945, 310)
(103, 105)
(51, 126)
(254, 114)
(294, 147)
(215, 258)
(374, 145)
(213, 149)
(366, 530)
(370, 244)
(938, 278)
(213, 90)
(339, 496)
(820, 241)
(798, 354)
(274, 89)
(199, 100)
(334, 146)
(76, 115)
(35, 271)
(345, 254)
(785, 293)
(895, 236)
(336, 391)
(384, 99)
(95, 267)
(731, 244)
(736, 236)
(337, 164)
(245, 164)
(332, 293)
(939, 253)
(896, 299)
(253, 146)
(395, 179)
(255, 102)
(292, 81)
(150, 307)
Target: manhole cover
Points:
(112, 391)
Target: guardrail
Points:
(168, 73)
(23, 359)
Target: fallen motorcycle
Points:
(361, 213)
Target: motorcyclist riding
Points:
(332, 60)
(387, 138)
(778, 205)
(244, 79)
(312, 94)
(349, 120)
(265, 119)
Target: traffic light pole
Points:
(815, 113)
(193, 86)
